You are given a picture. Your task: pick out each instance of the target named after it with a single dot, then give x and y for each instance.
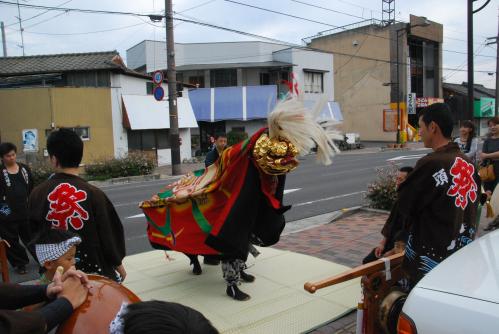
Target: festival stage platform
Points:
(278, 303)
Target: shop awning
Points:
(143, 112)
(233, 103)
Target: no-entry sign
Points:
(158, 93)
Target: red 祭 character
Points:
(64, 207)
(463, 184)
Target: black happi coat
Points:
(11, 207)
(87, 212)
(439, 200)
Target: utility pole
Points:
(471, 84)
(4, 42)
(21, 29)
(171, 75)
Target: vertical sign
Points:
(411, 103)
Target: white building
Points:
(240, 82)
(141, 123)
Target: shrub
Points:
(41, 170)
(132, 165)
(234, 137)
(382, 193)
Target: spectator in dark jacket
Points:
(220, 145)
(16, 184)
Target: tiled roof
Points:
(12, 66)
(462, 89)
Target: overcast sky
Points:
(59, 32)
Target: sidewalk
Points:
(345, 241)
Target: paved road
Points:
(312, 189)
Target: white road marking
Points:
(287, 191)
(407, 157)
(328, 198)
(140, 215)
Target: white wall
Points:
(120, 139)
(153, 53)
(133, 86)
(165, 157)
(305, 59)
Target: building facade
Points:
(92, 93)
(238, 83)
(379, 69)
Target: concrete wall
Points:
(250, 127)
(312, 60)
(164, 155)
(25, 108)
(153, 53)
(358, 82)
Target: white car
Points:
(461, 295)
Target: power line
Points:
(328, 9)
(43, 21)
(90, 11)
(83, 33)
(330, 25)
(79, 10)
(37, 15)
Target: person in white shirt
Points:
(467, 141)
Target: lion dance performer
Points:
(237, 201)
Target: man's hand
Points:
(54, 288)
(74, 291)
(121, 270)
(483, 156)
(72, 272)
(378, 251)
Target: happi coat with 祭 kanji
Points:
(68, 202)
(439, 200)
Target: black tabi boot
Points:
(196, 269)
(234, 292)
(248, 278)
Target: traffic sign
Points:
(157, 77)
(158, 93)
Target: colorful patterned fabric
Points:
(198, 206)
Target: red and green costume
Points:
(220, 209)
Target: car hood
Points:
(473, 271)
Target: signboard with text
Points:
(422, 102)
(411, 103)
(484, 107)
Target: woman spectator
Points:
(467, 141)
(490, 154)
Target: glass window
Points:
(148, 140)
(134, 140)
(82, 131)
(163, 137)
(223, 78)
(314, 82)
(149, 87)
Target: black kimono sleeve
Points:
(110, 230)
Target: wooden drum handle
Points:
(366, 269)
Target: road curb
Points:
(125, 180)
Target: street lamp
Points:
(406, 28)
